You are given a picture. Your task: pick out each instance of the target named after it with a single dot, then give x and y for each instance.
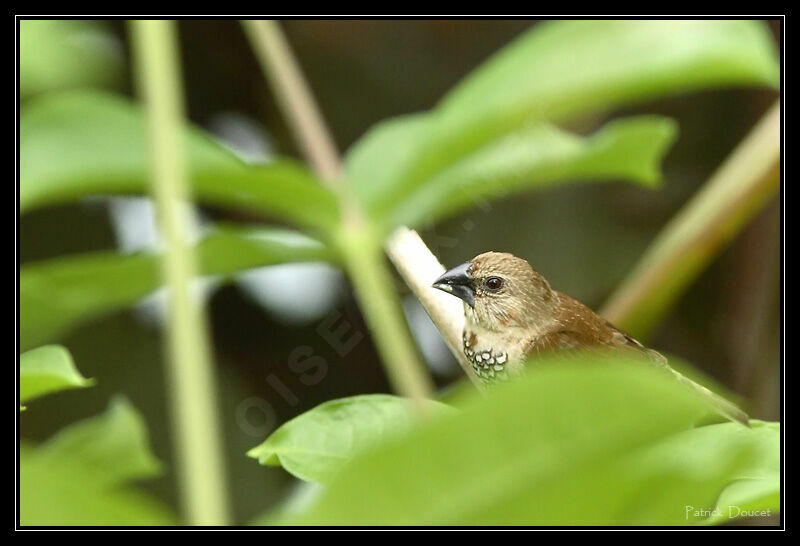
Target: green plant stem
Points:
(361, 252)
(193, 398)
(733, 195)
(376, 297)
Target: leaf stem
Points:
(201, 475)
(733, 195)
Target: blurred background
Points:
(584, 239)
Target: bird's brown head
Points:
(500, 291)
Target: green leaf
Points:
(60, 293)
(758, 488)
(114, 445)
(81, 476)
(375, 161)
(746, 498)
(315, 445)
(564, 68)
(57, 54)
(48, 369)
(627, 149)
(79, 143)
(557, 71)
(733, 451)
(570, 444)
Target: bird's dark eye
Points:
(493, 283)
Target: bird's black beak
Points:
(458, 283)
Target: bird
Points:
(512, 316)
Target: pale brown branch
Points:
(295, 98)
(419, 268)
(733, 195)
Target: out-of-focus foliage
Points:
(57, 294)
(48, 369)
(66, 54)
(87, 143)
(561, 70)
(315, 445)
(542, 155)
(82, 475)
(605, 444)
(758, 487)
(601, 442)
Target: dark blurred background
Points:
(583, 238)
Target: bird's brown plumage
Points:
(513, 315)
(575, 326)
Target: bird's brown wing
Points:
(576, 329)
(580, 330)
(576, 343)
(561, 341)
(579, 324)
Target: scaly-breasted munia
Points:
(512, 315)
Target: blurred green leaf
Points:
(114, 445)
(758, 488)
(315, 445)
(570, 444)
(58, 54)
(627, 149)
(57, 294)
(375, 161)
(686, 458)
(48, 369)
(300, 497)
(86, 143)
(81, 475)
(564, 68)
(561, 70)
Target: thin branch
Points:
(733, 195)
(419, 268)
(295, 98)
(750, 305)
(193, 399)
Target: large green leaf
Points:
(81, 475)
(375, 161)
(48, 369)
(758, 488)
(315, 445)
(86, 143)
(59, 54)
(59, 293)
(560, 70)
(114, 445)
(629, 149)
(687, 457)
(572, 443)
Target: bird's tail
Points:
(718, 403)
